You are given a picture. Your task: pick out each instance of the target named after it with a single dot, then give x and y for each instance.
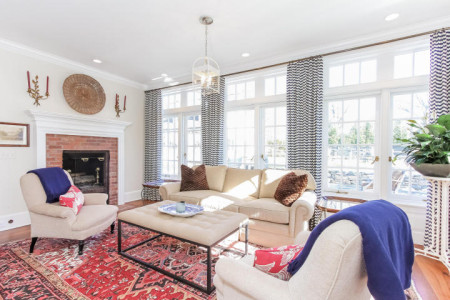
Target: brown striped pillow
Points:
(192, 180)
(290, 188)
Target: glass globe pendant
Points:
(205, 70)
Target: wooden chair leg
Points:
(80, 247)
(112, 227)
(33, 242)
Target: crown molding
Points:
(64, 62)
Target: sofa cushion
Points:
(290, 188)
(74, 199)
(266, 209)
(211, 200)
(92, 215)
(271, 178)
(193, 180)
(193, 197)
(242, 183)
(215, 176)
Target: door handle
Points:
(391, 160)
(377, 158)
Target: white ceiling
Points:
(141, 39)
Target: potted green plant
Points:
(428, 150)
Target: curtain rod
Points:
(324, 54)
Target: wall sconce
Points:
(117, 108)
(34, 93)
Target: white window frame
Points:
(181, 112)
(257, 104)
(384, 87)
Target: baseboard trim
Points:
(132, 196)
(19, 219)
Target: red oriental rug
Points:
(55, 271)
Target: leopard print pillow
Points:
(192, 180)
(290, 188)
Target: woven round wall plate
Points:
(84, 94)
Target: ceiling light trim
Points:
(71, 64)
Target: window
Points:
(240, 136)
(194, 98)
(181, 130)
(412, 64)
(351, 144)
(274, 136)
(275, 85)
(193, 140)
(352, 73)
(171, 100)
(241, 90)
(255, 127)
(363, 123)
(407, 106)
(170, 147)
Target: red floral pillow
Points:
(274, 261)
(73, 198)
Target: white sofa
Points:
(334, 269)
(251, 192)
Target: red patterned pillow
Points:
(274, 261)
(73, 198)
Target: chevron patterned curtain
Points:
(153, 124)
(304, 118)
(439, 99)
(212, 126)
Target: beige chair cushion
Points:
(271, 178)
(215, 176)
(91, 215)
(242, 183)
(266, 209)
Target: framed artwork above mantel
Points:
(14, 135)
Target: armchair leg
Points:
(112, 227)
(33, 242)
(80, 247)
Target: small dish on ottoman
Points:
(171, 209)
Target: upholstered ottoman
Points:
(205, 229)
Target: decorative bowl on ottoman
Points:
(171, 209)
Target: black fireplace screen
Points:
(89, 169)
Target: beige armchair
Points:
(55, 221)
(334, 269)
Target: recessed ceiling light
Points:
(173, 83)
(245, 54)
(167, 79)
(392, 17)
(163, 75)
(97, 61)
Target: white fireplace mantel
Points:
(57, 123)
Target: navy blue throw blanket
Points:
(387, 243)
(54, 181)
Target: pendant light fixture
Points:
(205, 70)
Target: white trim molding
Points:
(56, 123)
(18, 219)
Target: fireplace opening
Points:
(89, 169)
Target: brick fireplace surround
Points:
(56, 143)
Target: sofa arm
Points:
(301, 211)
(249, 281)
(169, 188)
(95, 199)
(50, 210)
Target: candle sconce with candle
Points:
(117, 107)
(34, 92)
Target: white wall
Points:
(14, 101)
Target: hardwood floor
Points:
(431, 277)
